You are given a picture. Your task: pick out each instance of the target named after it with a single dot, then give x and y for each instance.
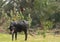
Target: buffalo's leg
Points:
(12, 36)
(25, 31)
(16, 36)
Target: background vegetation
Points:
(41, 14)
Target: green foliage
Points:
(17, 16)
(21, 15)
(48, 24)
(29, 20)
(47, 11)
(44, 34)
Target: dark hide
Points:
(18, 27)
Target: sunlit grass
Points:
(38, 38)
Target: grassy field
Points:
(38, 38)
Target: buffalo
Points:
(18, 26)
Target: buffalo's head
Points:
(11, 28)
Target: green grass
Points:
(38, 38)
